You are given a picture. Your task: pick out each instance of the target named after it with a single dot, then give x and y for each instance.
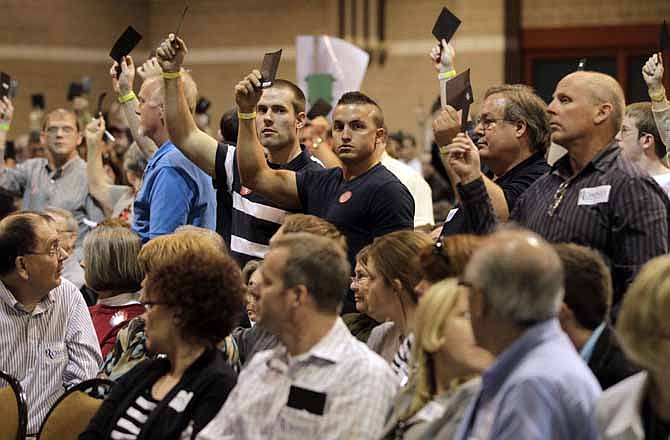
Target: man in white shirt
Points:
(642, 144)
(47, 341)
(320, 382)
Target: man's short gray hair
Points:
(521, 276)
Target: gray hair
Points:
(521, 276)
(134, 161)
(522, 104)
(319, 264)
(58, 213)
(110, 256)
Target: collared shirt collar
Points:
(535, 157)
(587, 350)
(601, 161)
(8, 298)
(123, 299)
(162, 151)
(65, 168)
(494, 377)
(329, 348)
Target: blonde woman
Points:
(447, 365)
(639, 407)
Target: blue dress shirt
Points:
(587, 350)
(175, 192)
(538, 388)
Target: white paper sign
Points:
(595, 195)
(451, 215)
(180, 401)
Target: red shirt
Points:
(109, 319)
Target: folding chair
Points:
(13, 411)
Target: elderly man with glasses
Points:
(47, 341)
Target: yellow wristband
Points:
(170, 75)
(251, 115)
(447, 75)
(658, 97)
(127, 97)
(4, 126)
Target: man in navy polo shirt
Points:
(175, 192)
(362, 199)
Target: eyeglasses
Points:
(490, 123)
(66, 130)
(149, 305)
(53, 251)
(358, 279)
(558, 198)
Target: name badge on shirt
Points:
(180, 401)
(451, 214)
(595, 195)
(302, 398)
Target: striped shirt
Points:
(49, 349)
(611, 205)
(130, 424)
(250, 220)
(402, 360)
(357, 387)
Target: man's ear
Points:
(520, 128)
(379, 136)
(300, 295)
(300, 119)
(565, 314)
(21, 268)
(603, 113)
(647, 141)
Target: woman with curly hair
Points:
(447, 368)
(193, 294)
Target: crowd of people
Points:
(287, 278)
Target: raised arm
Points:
(197, 145)
(98, 187)
(123, 86)
(653, 76)
(6, 113)
(277, 185)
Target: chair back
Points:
(13, 410)
(72, 412)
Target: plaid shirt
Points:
(358, 385)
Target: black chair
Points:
(13, 410)
(71, 413)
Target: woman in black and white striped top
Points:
(193, 295)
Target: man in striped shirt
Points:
(592, 196)
(47, 339)
(320, 382)
(252, 219)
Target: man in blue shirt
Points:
(175, 192)
(539, 387)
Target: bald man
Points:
(592, 196)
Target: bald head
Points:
(520, 274)
(155, 84)
(602, 89)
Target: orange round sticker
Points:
(344, 198)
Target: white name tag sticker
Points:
(451, 215)
(180, 401)
(595, 195)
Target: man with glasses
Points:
(59, 180)
(593, 195)
(538, 387)
(642, 144)
(47, 341)
(512, 137)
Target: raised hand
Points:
(94, 132)
(171, 53)
(652, 72)
(443, 56)
(446, 126)
(123, 84)
(463, 158)
(248, 92)
(149, 69)
(6, 110)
